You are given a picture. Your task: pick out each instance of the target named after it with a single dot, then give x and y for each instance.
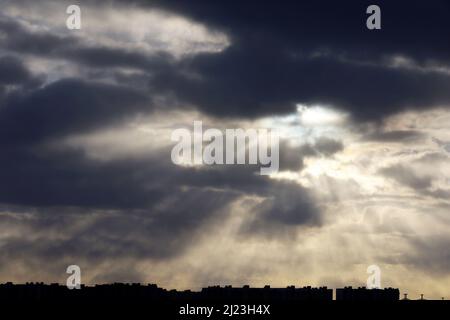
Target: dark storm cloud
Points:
(335, 27)
(14, 77)
(12, 71)
(400, 136)
(288, 207)
(102, 57)
(285, 203)
(13, 74)
(159, 206)
(250, 81)
(17, 38)
(148, 233)
(317, 52)
(292, 157)
(64, 107)
(145, 208)
(407, 177)
(155, 200)
(67, 178)
(327, 146)
(305, 52)
(290, 56)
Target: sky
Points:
(86, 118)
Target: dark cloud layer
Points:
(407, 177)
(12, 71)
(339, 27)
(292, 56)
(291, 158)
(395, 136)
(289, 57)
(240, 83)
(64, 107)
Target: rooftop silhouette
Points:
(136, 292)
(364, 294)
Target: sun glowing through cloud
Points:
(320, 116)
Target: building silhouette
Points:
(364, 294)
(214, 294)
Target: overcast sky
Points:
(86, 116)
